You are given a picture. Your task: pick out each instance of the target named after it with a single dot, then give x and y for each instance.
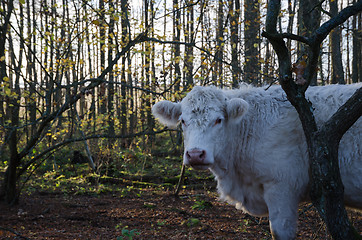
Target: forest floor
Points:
(146, 213)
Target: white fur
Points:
(167, 113)
(257, 150)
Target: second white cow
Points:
(252, 141)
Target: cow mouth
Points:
(200, 166)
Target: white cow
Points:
(252, 141)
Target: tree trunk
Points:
(323, 141)
(33, 82)
(3, 32)
(8, 190)
(176, 47)
(124, 23)
(102, 39)
(309, 20)
(132, 117)
(335, 38)
(234, 12)
(110, 86)
(189, 54)
(92, 107)
(203, 57)
(357, 48)
(10, 178)
(152, 77)
(217, 73)
(267, 73)
(252, 41)
(327, 191)
(291, 12)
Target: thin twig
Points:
(180, 181)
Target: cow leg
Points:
(283, 213)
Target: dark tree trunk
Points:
(252, 41)
(357, 48)
(335, 38)
(132, 116)
(9, 187)
(152, 77)
(102, 39)
(8, 9)
(176, 47)
(327, 188)
(309, 20)
(189, 54)
(13, 107)
(124, 23)
(110, 87)
(10, 178)
(267, 73)
(291, 12)
(146, 82)
(326, 185)
(217, 73)
(234, 12)
(31, 65)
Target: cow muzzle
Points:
(196, 158)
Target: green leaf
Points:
(96, 22)
(7, 91)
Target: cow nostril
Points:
(202, 155)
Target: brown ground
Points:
(154, 214)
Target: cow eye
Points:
(183, 122)
(218, 121)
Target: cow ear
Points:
(167, 113)
(236, 108)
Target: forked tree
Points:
(323, 141)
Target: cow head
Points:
(206, 115)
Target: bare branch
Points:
(319, 6)
(191, 44)
(296, 37)
(73, 99)
(322, 32)
(345, 117)
(179, 9)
